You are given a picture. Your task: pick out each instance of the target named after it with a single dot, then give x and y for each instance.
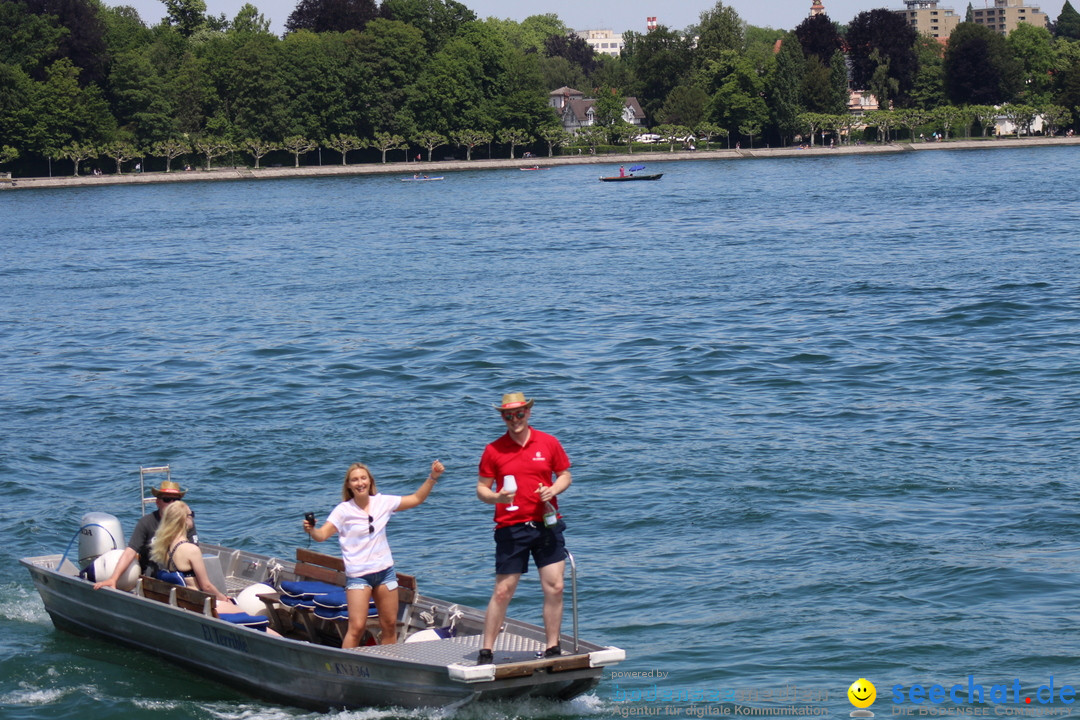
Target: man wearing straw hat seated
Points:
(139, 544)
(526, 521)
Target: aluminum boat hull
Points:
(436, 673)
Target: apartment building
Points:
(1004, 15)
(929, 18)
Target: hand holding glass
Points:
(510, 485)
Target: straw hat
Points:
(514, 400)
(169, 488)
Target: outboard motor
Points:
(98, 533)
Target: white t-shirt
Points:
(365, 552)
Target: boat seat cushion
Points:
(307, 589)
(335, 606)
(331, 601)
(170, 577)
(299, 602)
(255, 622)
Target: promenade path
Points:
(448, 166)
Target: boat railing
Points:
(143, 472)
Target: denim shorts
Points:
(373, 580)
(515, 543)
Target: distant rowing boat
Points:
(627, 178)
(534, 168)
(421, 179)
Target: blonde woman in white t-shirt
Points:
(360, 522)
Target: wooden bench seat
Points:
(179, 596)
(311, 565)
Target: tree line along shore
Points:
(409, 169)
(89, 87)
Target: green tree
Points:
(928, 91)
(28, 41)
(83, 42)
(139, 97)
(384, 142)
(120, 151)
(76, 152)
(818, 37)
(212, 147)
(171, 149)
(343, 144)
(1068, 22)
(750, 129)
(249, 21)
(7, 154)
(949, 117)
(186, 16)
(685, 105)
(388, 56)
(258, 149)
(811, 122)
(739, 99)
(553, 135)
(1055, 117)
(592, 136)
(608, 107)
(437, 20)
(672, 134)
(985, 115)
(719, 29)
(299, 145)
(624, 132)
(709, 130)
(449, 92)
(469, 139)
(888, 34)
(882, 84)
(912, 119)
(331, 16)
(513, 137)
(1033, 49)
(430, 140)
(785, 88)
(884, 121)
(817, 91)
(1020, 115)
(659, 61)
(979, 69)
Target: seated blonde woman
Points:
(173, 552)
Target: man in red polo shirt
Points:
(542, 470)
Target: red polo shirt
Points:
(534, 464)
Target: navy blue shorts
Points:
(515, 543)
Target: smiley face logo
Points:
(862, 693)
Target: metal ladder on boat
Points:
(143, 472)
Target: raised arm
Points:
(410, 501)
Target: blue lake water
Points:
(824, 413)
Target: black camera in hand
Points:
(310, 517)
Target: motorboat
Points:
(627, 178)
(432, 664)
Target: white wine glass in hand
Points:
(510, 485)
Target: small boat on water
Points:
(433, 664)
(421, 179)
(628, 178)
(623, 177)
